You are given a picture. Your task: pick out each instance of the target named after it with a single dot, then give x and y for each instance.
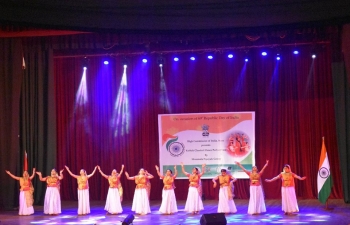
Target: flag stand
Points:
(327, 206)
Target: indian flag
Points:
(324, 178)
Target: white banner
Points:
(214, 139)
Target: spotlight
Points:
(295, 52)
(160, 61)
(125, 62)
(193, 58)
(264, 53)
(106, 62)
(246, 60)
(128, 220)
(210, 57)
(313, 54)
(85, 62)
(230, 56)
(144, 60)
(278, 57)
(176, 59)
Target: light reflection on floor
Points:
(184, 218)
(311, 212)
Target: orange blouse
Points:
(287, 179)
(194, 180)
(168, 182)
(254, 178)
(25, 184)
(224, 180)
(141, 181)
(113, 181)
(83, 182)
(53, 181)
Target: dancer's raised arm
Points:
(183, 169)
(11, 175)
(70, 173)
(266, 164)
(160, 175)
(175, 172)
(104, 175)
(128, 177)
(33, 174)
(203, 170)
(121, 171)
(93, 172)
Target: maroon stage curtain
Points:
(292, 99)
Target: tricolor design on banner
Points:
(324, 178)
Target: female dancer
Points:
(226, 203)
(168, 205)
(289, 199)
(52, 202)
(256, 200)
(26, 199)
(83, 190)
(140, 203)
(194, 202)
(113, 201)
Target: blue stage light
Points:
(210, 57)
(246, 60)
(144, 60)
(176, 59)
(295, 52)
(230, 56)
(106, 62)
(264, 53)
(193, 58)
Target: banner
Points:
(215, 139)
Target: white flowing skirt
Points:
(169, 204)
(194, 201)
(83, 202)
(256, 200)
(140, 203)
(23, 209)
(289, 200)
(52, 202)
(226, 205)
(113, 204)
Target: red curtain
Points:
(292, 99)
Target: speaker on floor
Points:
(128, 220)
(213, 219)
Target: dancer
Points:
(169, 205)
(26, 199)
(52, 202)
(194, 202)
(226, 203)
(256, 200)
(289, 199)
(83, 190)
(140, 203)
(115, 191)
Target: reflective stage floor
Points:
(311, 212)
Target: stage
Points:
(311, 212)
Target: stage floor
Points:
(311, 212)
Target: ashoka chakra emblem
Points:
(176, 149)
(323, 172)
